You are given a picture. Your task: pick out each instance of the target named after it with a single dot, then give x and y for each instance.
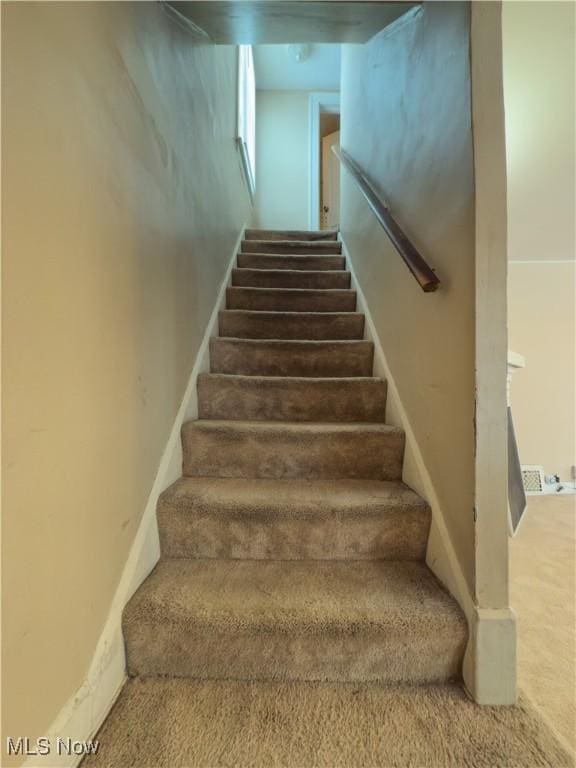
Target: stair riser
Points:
(290, 300)
(290, 247)
(197, 532)
(283, 278)
(246, 358)
(291, 400)
(161, 648)
(297, 325)
(232, 452)
(271, 261)
(290, 234)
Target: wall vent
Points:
(533, 478)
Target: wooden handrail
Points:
(423, 273)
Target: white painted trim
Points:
(489, 667)
(328, 101)
(85, 711)
(490, 661)
(452, 575)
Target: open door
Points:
(330, 183)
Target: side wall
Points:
(539, 87)
(282, 160)
(542, 312)
(409, 128)
(122, 201)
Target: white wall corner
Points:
(490, 668)
(441, 556)
(85, 711)
(490, 661)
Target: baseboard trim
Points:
(489, 668)
(86, 710)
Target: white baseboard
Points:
(489, 669)
(85, 711)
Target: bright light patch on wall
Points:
(247, 111)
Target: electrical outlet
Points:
(573, 471)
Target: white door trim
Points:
(328, 101)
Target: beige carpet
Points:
(542, 577)
(287, 618)
(160, 723)
(282, 557)
(165, 723)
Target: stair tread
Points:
(295, 449)
(288, 498)
(299, 598)
(299, 279)
(296, 261)
(320, 381)
(293, 427)
(291, 357)
(291, 398)
(217, 518)
(295, 243)
(298, 272)
(291, 234)
(325, 246)
(294, 299)
(285, 257)
(305, 291)
(262, 324)
(262, 314)
(288, 343)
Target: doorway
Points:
(329, 171)
(324, 166)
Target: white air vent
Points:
(533, 478)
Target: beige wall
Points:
(539, 87)
(282, 160)
(539, 80)
(122, 200)
(410, 128)
(541, 311)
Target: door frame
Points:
(321, 101)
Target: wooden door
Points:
(330, 195)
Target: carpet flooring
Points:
(275, 564)
(233, 645)
(177, 723)
(163, 723)
(542, 570)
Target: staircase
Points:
(290, 547)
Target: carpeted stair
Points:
(291, 549)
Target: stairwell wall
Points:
(122, 200)
(423, 113)
(540, 88)
(409, 126)
(282, 159)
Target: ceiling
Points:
(277, 70)
(288, 21)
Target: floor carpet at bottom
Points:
(171, 723)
